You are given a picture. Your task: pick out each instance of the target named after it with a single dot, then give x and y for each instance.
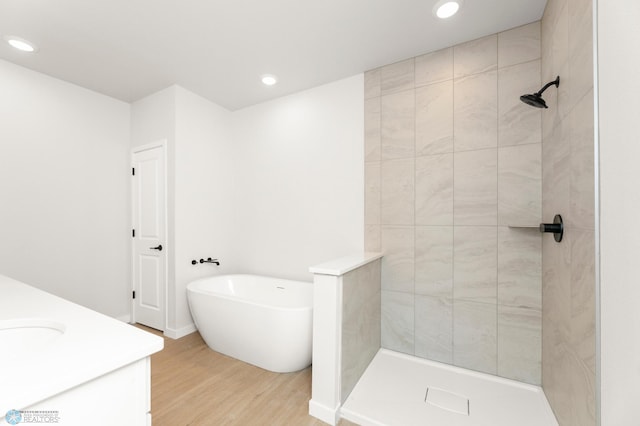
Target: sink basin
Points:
(23, 337)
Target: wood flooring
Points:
(191, 385)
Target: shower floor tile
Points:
(393, 389)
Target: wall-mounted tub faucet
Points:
(209, 260)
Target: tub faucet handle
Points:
(209, 260)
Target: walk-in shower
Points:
(459, 175)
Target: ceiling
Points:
(218, 49)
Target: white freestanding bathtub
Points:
(264, 321)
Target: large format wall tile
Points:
(475, 56)
(580, 52)
(398, 260)
(475, 336)
(372, 83)
(583, 295)
(556, 293)
(434, 328)
(475, 192)
(555, 57)
(518, 45)
(558, 386)
(553, 13)
(372, 193)
(435, 125)
(361, 322)
(398, 192)
(397, 126)
(519, 347)
(434, 67)
(556, 328)
(372, 130)
(519, 268)
(397, 77)
(519, 185)
(474, 263)
(434, 261)
(582, 165)
(518, 123)
(583, 327)
(434, 118)
(397, 321)
(556, 172)
(434, 190)
(372, 238)
(583, 390)
(475, 112)
(569, 326)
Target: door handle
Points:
(159, 248)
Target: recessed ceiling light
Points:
(447, 8)
(20, 43)
(269, 79)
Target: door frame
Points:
(161, 143)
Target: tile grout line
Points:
(497, 190)
(379, 231)
(415, 107)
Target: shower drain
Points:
(446, 400)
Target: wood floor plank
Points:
(192, 385)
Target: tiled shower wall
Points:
(452, 159)
(360, 323)
(568, 356)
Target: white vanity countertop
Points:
(92, 345)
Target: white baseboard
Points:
(180, 332)
(324, 413)
(124, 318)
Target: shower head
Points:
(535, 99)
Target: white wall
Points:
(199, 188)
(154, 119)
(64, 205)
(618, 64)
(204, 188)
(300, 179)
(272, 189)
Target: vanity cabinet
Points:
(122, 397)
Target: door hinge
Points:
(133, 171)
(134, 294)
(133, 233)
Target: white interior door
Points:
(149, 239)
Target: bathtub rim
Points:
(237, 299)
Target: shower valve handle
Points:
(159, 248)
(556, 228)
(550, 227)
